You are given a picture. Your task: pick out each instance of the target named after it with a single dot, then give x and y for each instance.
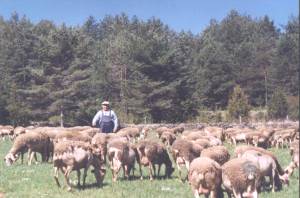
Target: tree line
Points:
(149, 72)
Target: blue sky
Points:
(193, 15)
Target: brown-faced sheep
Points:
(218, 153)
(151, 153)
(168, 138)
(99, 142)
(75, 155)
(184, 152)
(31, 142)
(240, 177)
(267, 167)
(205, 177)
(121, 154)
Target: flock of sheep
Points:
(211, 169)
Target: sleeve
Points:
(115, 120)
(96, 118)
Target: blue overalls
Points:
(106, 123)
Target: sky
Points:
(187, 15)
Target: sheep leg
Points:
(84, 176)
(28, 157)
(272, 180)
(56, 176)
(126, 171)
(22, 157)
(67, 174)
(187, 164)
(154, 170)
(31, 157)
(151, 171)
(212, 194)
(236, 195)
(35, 157)
(141, 172)
(78, 178)
(196, 193)
(158, 171)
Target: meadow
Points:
(21, 180)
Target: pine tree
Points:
(278, 106)
(238, 103)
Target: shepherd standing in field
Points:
(107, 119)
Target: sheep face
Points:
(10, 159)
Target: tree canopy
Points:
(147, 70)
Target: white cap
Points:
(105, 103)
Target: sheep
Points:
(151, 153)
(204, 143)
(6, 130)
(175, 130)
(294, 151)
(294, 163)
(75, 155)
(267, 167)
(31, 142)
(121, 154)
(283, 176)
(183, 153)
(217, 132)
(99, 142)
(205, 177)
(240, 177)
(90, 131)
(168, 138)
(218, 153)
(160, 130)
(132, 133)
(73, 135)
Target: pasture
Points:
(37, 181)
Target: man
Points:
(107, 119)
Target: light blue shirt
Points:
(98, 117)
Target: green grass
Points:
(37, 181)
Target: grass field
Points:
(37, 181)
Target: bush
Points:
(278, 106)
(238, 104)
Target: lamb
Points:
(294, 163)
(240, 177)
(267, 167)
(31, 142)
(121, 154)
(151, 153)
(218, 153)
(168, 138)
(75, 155)
(205, 177)
(99, 142)
(184, 152)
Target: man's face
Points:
(105, 107)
